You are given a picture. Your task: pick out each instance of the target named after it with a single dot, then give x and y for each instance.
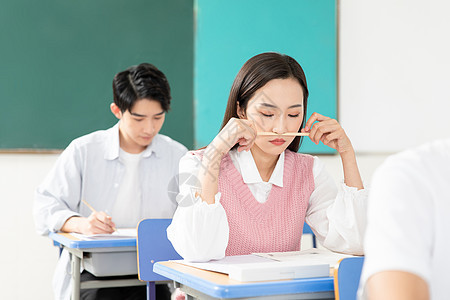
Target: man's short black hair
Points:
(139, 82)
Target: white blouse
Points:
(199, 231)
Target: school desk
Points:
(80, 250)
(205, 285)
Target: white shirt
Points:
(127, 208)
(409, 217)
(89, 168)
(199, 232)
(245, 164)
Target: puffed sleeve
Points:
(199, 231)
(338, 218)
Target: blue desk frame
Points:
(201, 288)
(78, 249)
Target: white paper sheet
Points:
(120, 233)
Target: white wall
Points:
(394, 72)
(26, 259)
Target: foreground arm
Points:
(399, 236)
(397, 285)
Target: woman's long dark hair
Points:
(256, 73)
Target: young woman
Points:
(252, 191)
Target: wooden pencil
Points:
(88, 205)
(283, 134)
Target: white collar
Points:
(249, 171)
(113, 145)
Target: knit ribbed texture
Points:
(275, 225)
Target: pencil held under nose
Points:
(283, 134)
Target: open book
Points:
(274, 266)
(120, 233)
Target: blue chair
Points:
(153, 246)
(346, 278)
(308, 230)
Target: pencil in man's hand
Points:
(93, 209)
(88, 205)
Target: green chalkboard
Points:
(58, 59)
(230, 32)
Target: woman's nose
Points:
(280, 127)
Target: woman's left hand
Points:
(329, 132)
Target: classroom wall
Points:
(379, 106)
(393, 78)
(28, 260)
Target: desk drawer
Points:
(111, 263)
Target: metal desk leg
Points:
(151, 290)
(75, 281)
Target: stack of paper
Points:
(121, 233)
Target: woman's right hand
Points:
(236, 131)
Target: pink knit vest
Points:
(275, 225)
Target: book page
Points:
(311, 255)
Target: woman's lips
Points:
(278, 142)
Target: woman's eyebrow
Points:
(268, 105)
(295, 105)
(274, 106)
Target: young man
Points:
(407, 241)
(123, 172)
